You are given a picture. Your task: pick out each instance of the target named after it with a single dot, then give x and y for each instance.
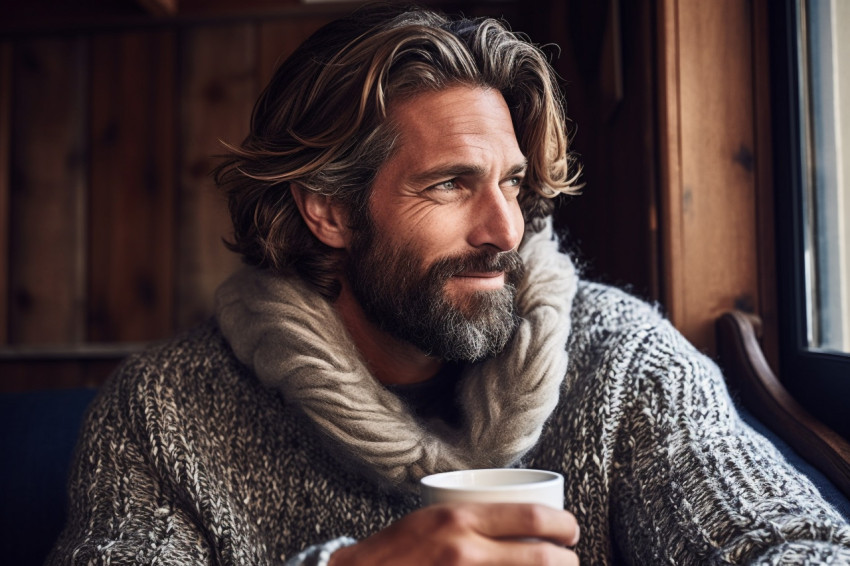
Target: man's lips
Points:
(481, 279)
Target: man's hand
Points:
(469, 533)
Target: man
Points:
(406, 311)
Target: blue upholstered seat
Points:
(39, 431)
(828, 489)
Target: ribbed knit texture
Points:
(188, 458)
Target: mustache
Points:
(509, 262)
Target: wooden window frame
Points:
(819, 380)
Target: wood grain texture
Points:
(51, 16)
(609, 227)
(61, 16)
(5, 174)
(48, 189)
(33, 375)
(132, 186)
(670, 139)
(280, 37)
(218, 89)
(765, 208)
(160, 7)
(711, 244)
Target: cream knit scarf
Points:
(294, 340)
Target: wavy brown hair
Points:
(322, 122)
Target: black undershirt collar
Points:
(435, 398)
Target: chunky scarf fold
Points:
(295, 341)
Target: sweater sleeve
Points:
(697, 485)
(320, 554)
(177, 463)
(120, 512)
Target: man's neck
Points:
(391, 361)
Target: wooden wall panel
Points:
(279, 38)
(765, 209)
(132, 186)
(709, 192)
(5, 149)
(611, 226)
(670, 170)
(47, 243)
(218, 89)
(54, 373)
(718, 162)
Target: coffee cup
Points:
(502, 485)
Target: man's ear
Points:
(325, 218)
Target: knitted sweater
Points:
(198, 451)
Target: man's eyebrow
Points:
(460, 170)
(518, 169)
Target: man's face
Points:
(438, 266)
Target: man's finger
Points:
(518, 521)
(537, 553)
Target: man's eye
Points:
(514, 182)
(446, 185)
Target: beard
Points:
(409, 301)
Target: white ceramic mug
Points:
(507, 485)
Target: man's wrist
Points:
(341, 556)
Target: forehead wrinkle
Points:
(458, 124)
(455, 154)
(452, 140)
(463, 128)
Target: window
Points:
(825, 110)
(811, 109)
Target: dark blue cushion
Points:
(828, 489)
(39, 431)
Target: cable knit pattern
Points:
(188, 457)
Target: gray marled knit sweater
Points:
(191, 456)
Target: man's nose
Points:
(497, 220)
